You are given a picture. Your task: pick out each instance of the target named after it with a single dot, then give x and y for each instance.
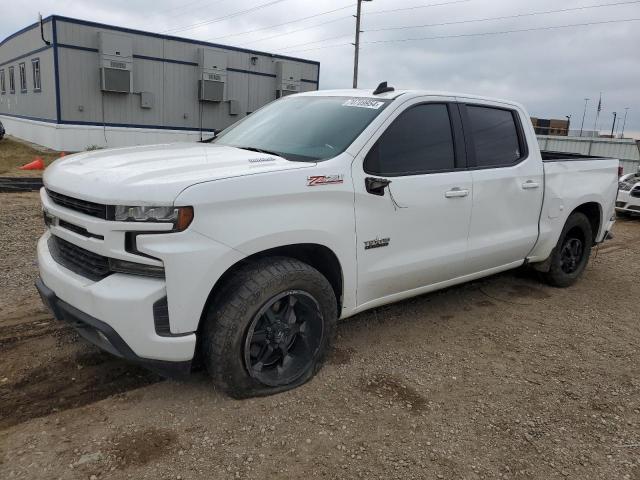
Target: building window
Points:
(23, 77)
(12, 80)
(35, 66)
(3, 88)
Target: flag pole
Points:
(595, 124)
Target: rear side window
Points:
(418, 141)
(495, 135)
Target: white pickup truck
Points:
(244, 252)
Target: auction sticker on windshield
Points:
(363, 103)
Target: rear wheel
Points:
(571, 255)
(269, 328)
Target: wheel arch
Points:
(593, 212)
(320, 257)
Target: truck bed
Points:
(571, 180)
(550, 156)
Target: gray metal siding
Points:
(174, 85)
(623, 149)
(25, 47)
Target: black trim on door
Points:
(460, 150)
(472, 163)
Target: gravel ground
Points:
(501, 378)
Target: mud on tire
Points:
(269, 328)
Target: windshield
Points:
(304, 128)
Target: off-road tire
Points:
(234, 308)
(576, 227)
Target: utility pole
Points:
(614, 123)
(357, 44)
(568, 117)
(624, 122)
(584, 114)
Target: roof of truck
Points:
(360, 92)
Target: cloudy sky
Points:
(451, 45)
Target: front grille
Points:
(625, 186)
(83, 262)
(77, 229)
(89, 208)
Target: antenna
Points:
(383, 88)
(42, 29)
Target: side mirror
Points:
(376, 186)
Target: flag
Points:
(600, 104)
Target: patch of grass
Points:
(14, 154)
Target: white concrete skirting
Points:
(74, 138)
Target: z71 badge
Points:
(315, 180)
(377, 243)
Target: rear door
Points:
(412, 232)
(507, 185)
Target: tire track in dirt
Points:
(43, 325)
(68, 383)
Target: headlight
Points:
(180, 217)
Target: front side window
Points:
(12, 81)
(3, 88)
(35, 67)
(305, 128)
(420, 140)
(23, 77)
(495, 135)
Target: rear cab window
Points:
(496, 136)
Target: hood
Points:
(154, 174)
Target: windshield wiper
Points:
(266, 152)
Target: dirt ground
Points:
(14, 154)
(501, 378)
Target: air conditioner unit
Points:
(288, 75)
(116, 62)
(213, 75)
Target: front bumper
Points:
(626, 203)
(118, 308)
(103, 336)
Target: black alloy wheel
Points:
(571, 253)
(283, 338)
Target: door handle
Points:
(530, 184)
(456, 192)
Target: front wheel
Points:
(570, 256)
(268, 330)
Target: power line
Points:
(349, 16)
(503, 32)
(416, 7)
(518, 15)
(287, 23)
(301, 29)
(225, 17)
(186, 5)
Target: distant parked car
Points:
(628, 200)
(1, 131)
